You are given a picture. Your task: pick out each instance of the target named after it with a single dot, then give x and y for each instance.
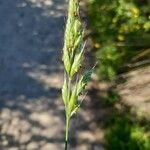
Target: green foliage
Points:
(120, 28)
(111, 98)
(124, 135)
(110, 60)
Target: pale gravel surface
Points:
(135, 92)
(31, 112)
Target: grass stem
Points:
(67, 131)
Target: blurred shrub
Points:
(124, 135)
(110, 61)
(120, 28)
(110, 98)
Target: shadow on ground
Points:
(31, 74)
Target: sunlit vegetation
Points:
(126, 134)
(120, 31)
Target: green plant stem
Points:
(67, 115)
(67, 131)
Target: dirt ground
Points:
(135, 91)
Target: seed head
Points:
(73, 40)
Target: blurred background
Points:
(116, 112)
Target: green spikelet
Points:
(73, 38)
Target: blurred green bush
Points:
(120, 30)
(126, 135)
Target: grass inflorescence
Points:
(73, 50)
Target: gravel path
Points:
(135, 91)
(31, 112)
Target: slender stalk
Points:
(67, 115)
(67, 131)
